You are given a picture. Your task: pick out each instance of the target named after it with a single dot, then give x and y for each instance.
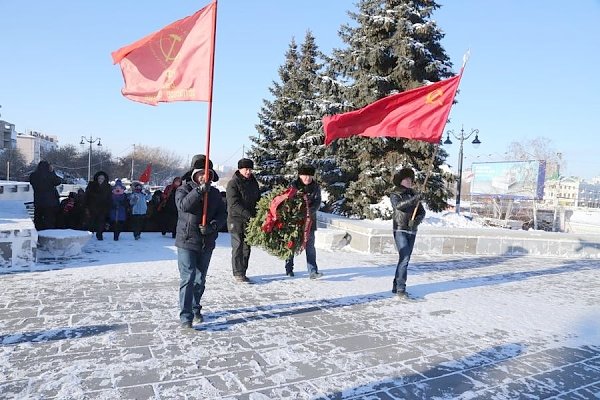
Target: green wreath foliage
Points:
(287, 236)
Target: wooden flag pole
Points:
(209, 119)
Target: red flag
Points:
(145, 176)
(173, 64)
(418, 114)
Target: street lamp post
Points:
(462, 137)
(90, 140)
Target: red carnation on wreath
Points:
(282, 223)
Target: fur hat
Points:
(245, 163)
(403, 173)
(306, 170)
(198, 162)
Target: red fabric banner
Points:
(173, 64)
(271, 218)
(418, 114)
(145, 176)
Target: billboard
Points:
(512, 179)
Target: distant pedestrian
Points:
(153, 216)
(404, 199)
(168, 209)
(195, 242)
(242, 195)
(45, 196)
(98, 199)
(118, 209)
(139, 207)
(307, 185)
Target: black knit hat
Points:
(245, 163)
(306, 170)
(403, 173)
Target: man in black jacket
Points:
(404, 200)
(195, 242)
(307, 185)
(45, 196)
(242, 195)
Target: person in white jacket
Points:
(139, 206)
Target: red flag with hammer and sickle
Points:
(418, 114)
(173, 64)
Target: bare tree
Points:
(539, 148)
(165, 164)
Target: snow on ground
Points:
(106, 323)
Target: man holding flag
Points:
(176, 63)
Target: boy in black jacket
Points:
(404, 200)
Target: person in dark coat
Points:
(153, 216)
(45, 196)
(306, 184)
(242, 195)
(168, 209)
(404, 199)
(98, 199)
(195, 242)
(118, 209)
(80, 216)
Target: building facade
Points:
(8, 134)
(33, 145)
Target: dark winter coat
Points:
(44, 184)
(119, 203)
(98, 198)
(313, 194)
(190, 209)
(404, 201)
(242, 196)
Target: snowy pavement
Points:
(105, 326)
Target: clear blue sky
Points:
(532, 72)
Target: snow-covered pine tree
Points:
(290, 132)
(278, 124)
(394, 46)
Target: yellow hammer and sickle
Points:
(169, 56)
(434, 97)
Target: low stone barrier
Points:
(370, 237)
(61, 243)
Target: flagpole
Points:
(437, 145)
(209, 119)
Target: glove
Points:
(208, 229)
(411, 225)
(203, 187)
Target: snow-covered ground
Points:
(105, 326)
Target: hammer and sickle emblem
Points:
(434, 97)
(172, 52)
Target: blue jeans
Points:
(193, 266)
(311, 256)
(405, 241)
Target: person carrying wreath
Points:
(307, 185)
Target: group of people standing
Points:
(202, 214)
(101, 206)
